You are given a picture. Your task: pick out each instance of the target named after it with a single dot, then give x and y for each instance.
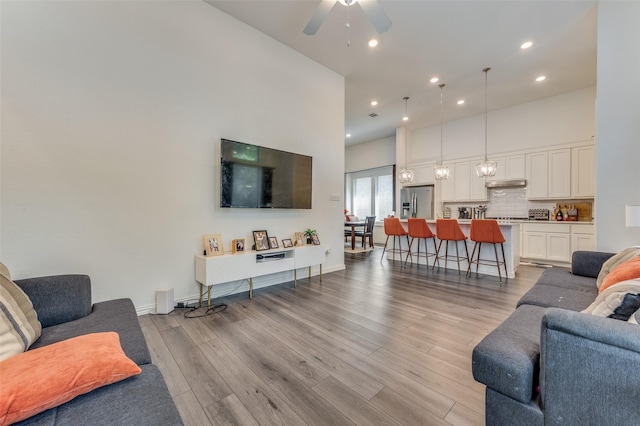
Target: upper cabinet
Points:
(583, 165)
(511, 167)
(423, 174)
(561, 173)
(468, 186)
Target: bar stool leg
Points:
(458, 257)
(409, 252)
(504, 260)
(385, 248)
(437, 251)
(478, 259)
(495, 250)
(473, 252)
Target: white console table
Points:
(214, 270)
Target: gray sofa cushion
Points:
(59, 298)
(563, 278)
(140, 400)
(588, 263)
(502, 410)
(548, 296)
(114, 315)
(507, 360)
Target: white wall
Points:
(369, 155)
(618, 124)
(561, 119)
(112, 114)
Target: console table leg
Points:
(200, 300)
(309, 273)
(295, 279)
(321, 272)
(208, 296)
(250, 288)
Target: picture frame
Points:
(261, 239)
(299, 236)
(213, 245)
(315, 240)
(287, 243)
(273, 243)
(237, 245)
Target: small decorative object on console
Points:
(261, 239)
(315, 239)
(237, 245)
(299, 239)
(286, 243)
(273, 243)
(309, 233)
(213, 245)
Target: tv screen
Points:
(252, 176)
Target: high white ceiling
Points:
(451, 39)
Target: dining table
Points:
(354, 225)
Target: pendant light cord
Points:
(406, 139)
(486, 111)
(441, 109)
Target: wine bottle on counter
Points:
(559, 215)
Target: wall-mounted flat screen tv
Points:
(253, 176)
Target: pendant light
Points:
(406, 175)
(485, 168)
(440, 170)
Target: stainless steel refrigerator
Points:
(416, 201)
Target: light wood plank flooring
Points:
(377, 343)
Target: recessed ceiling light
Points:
(374, 103)
(526, 45)
(461, 101)
(541, 78)
(434, 80)
(405, 118)
(373, 42)
(348, 135)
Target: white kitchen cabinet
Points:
(582, 238)
(537, 175)
(423, 174)
(547, 241)
(549, 174)
(582, 171)
(467, 185)
(510, 167)
(560, 173)
(447, 186)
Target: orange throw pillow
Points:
(628, 270)
(43, 378)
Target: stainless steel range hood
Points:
(512, 183)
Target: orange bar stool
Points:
(393, 228)
(449, 230)
(487, 231)
(419, 229)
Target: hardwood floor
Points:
(377, 343)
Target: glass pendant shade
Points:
(441, 171)
(405, 176)
(486, 168)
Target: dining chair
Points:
(367, 232)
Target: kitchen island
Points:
(510, 230)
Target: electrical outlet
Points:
(180, 305)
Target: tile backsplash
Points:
(505, 202)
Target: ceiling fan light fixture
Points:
(348, 2)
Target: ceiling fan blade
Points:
(318, 16)
(376, 15)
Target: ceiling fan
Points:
(371, 8)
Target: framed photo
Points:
(273, 242)
(261, 239)
(237, 245)
(286, 243)
(315, 239)
(299, 239)
(213, 245)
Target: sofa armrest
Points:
(588, 263)
(589, 369)
(59, 298)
